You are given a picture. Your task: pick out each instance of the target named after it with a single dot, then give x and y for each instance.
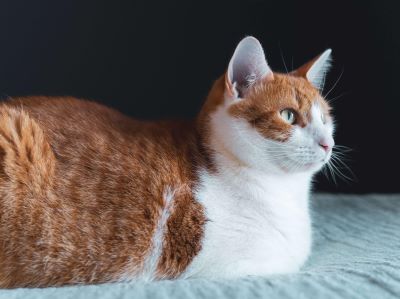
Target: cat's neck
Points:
(239, 173)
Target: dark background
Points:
(158, 59)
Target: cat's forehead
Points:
(285, 91)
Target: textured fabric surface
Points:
(355, 255)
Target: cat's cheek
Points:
(274, 130)
(295, 137)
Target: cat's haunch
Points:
(88, 195)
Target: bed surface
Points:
(356, 254)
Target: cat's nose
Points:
(326, 144)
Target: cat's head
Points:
(271, 121)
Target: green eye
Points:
(288, 116)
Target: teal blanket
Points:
(356, 254)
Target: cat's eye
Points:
(288, 116)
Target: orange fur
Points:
(80, 197)
(82, 186)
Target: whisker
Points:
(334, 85)
(339, 172)
(332, 172)
(283, 59)
(344, 165)
(343, 148)
(332, 100)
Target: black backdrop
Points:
(157, 59)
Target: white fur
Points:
(257, 203)
(317, 72)
(151, 262)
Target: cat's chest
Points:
(253, 226)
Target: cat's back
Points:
(82, 189)
(77, 127)
(78, 117)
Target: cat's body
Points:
(88, 195)
(86, 209)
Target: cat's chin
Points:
(306, 168)
(316, 167)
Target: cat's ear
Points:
(315, 70)
(247, 66)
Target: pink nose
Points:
(327, 147)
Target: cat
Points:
(89, 195)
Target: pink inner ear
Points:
(247, 65)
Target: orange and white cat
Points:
(88, 195)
